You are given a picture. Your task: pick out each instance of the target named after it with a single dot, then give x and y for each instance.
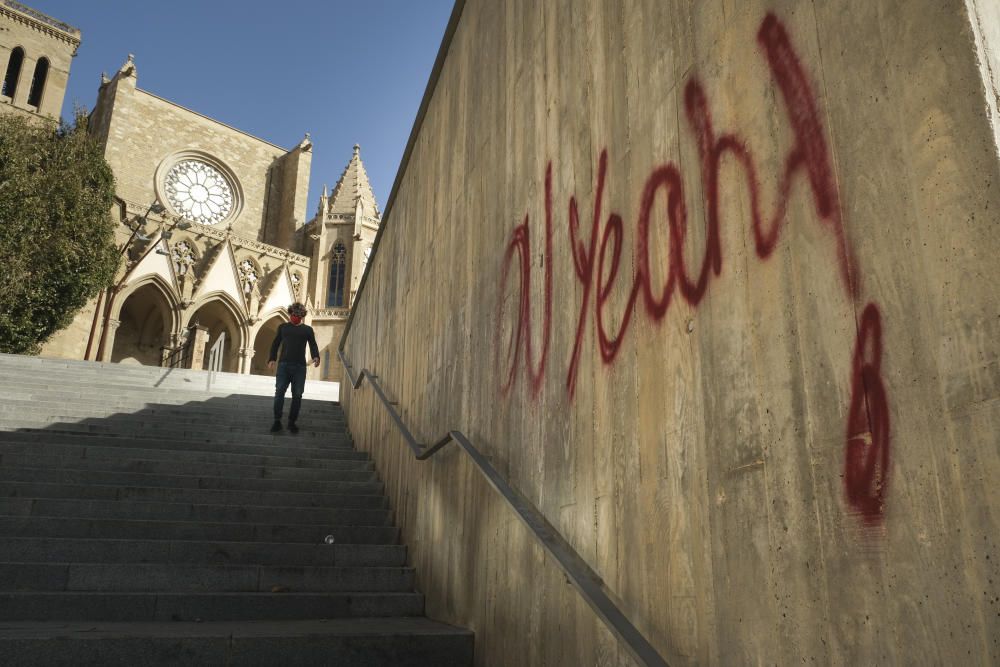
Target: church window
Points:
(183, 257)
(248, 276)
(38, 82)
(338, 272)
(199, 192)
(13, 71)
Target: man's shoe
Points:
(292, 427)
(276, 426)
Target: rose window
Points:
(199, 192)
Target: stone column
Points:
(246, 357)
(198, 344)
(109, 339)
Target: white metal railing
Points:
(215, 357)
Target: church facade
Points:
(214, 238)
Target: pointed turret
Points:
(341, 236)
(353, 189)
(322, 202)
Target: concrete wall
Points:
(985, 18)
(776, 438)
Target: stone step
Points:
(163, 511)
(58, 472)
(209, 475)
(279, 454)
(129, 403)
(116, 395)
(84, 550)
(287, 499)
(19, 389)
(192, 384)
(331, 470)
(157, 606)
(17, 368)
(253, 433)
(146, 520)
(195, 385)
(76, 411)
(364, 642)
(197, 578)
(151, 529)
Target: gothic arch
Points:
(280, 313)
(37, 89)
(274, 312)
(12, 72)
(338, 278)
(143, 319)
(167, 291)
(217, 312)
(262, 336)
(241, 259)
(197, 251)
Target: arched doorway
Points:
(145, 324)
(216, 316)
(262, 345)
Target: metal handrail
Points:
(582, 576)
(215, 357)
(181, 355)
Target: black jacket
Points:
(293, 338)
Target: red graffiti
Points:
(520, 243)
(866, 461)
(596, 264)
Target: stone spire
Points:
(353, 189)
(323, 201)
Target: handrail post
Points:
(215, 357)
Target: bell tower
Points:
(36, 51)
(342, 234)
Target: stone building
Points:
(35, 55)
(213, 225)
(338, 241)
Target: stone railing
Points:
(331, 313)
(43, 18)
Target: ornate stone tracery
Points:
(248, 276)
(183, 257)
(199, 192)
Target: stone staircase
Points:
(146, 521)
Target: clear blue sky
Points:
(346, 72)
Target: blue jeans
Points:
(289, 374)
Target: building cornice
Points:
(41, 22)
(330, 313)
(217, 234)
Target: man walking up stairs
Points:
(145, 521)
